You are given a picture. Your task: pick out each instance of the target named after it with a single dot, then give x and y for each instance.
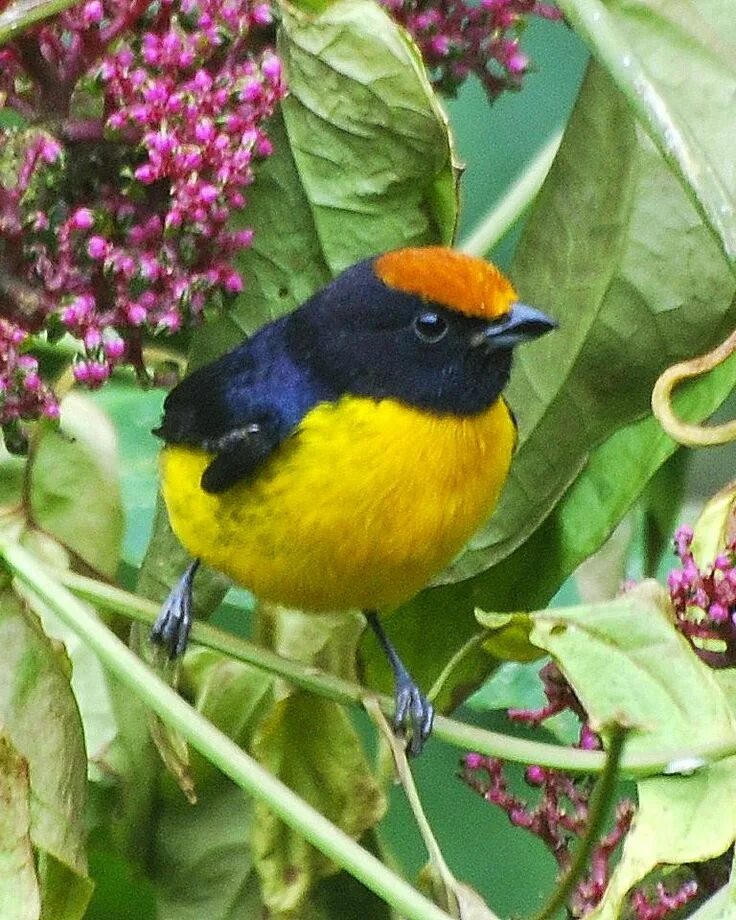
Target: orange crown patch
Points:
(449, 278)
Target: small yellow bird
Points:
(344, 454)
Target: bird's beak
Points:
(521, 324)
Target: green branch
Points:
(517, 199)
(23, 13)
(247, 773)
(599, 30)
(458, 734)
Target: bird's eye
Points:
(430, 327)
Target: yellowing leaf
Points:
(311, 745)
(39, 715)
(19, 893)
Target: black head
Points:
(408, 326)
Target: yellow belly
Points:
(360, 507)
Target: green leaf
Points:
(88, 682)
(720, 907)
(508, 636)
(513, 686)
(232, 695)
(675, 62)
(615, 250)
(629, 665)
(311, 745)
(19, 894)
(716, 526)
(362, 161)
(74, 487)
(40, 718)
(203, 865)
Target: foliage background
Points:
(495, 144)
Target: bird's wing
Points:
(230, 408)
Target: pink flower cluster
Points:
(460, 37)
(559, 819)
(704, 601)
(559, 816)
(117, 224)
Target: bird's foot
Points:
(413, 710)
(172, 626)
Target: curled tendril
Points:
(687, 433)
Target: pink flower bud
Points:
(82, 219)
(81, 372)
(261, 14)
(97, 247)
(232, 282)
(92, 12)
(535, 775)
(114, 349)
(517, 63)
(92, 339)
(718, 613)
(136, 314)
(146, 174)
(271, 68)
(208, 193)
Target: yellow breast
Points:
(360, 507)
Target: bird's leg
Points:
(172, 625)
(411, 704)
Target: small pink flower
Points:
(97, 247)
(82, 219)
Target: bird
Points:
(343, 455)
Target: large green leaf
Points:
(74, 486)
(618, 254)
(676, 63)
(362, 160)
(39, 716)
(202, 865)
(311, 745)
(628, 664)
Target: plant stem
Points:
(600, 804)
(23, 13)
(458, 734)
(517, 199)
(132, 672)
(598, 28)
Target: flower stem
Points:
(247, 773)
(598, 28)
(458, 734)
(517, 199)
